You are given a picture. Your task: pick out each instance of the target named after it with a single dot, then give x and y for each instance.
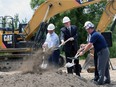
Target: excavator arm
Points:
(50, 8)
(107, 16)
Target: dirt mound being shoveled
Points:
(47, 79)
(52, 77)
(32, 63)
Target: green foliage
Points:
(113, 50)
(36, 3)
(9, 21)
(16, 21)
(24, 21)
(114, 35)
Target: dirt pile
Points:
(51, 78)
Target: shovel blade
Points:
(43, 66)
(68, 65)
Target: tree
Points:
(16, 21)
(35, 3)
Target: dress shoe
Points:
(95, 79)
(107, 82)
(98, 83)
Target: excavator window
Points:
(108, 37)
(21, 27)
(6, 23)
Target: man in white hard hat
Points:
(101, 48)
(70, 48)
(87, 25)
(92, 51)
(52, 40)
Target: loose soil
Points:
(30, 75)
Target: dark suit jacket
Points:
(69, 46)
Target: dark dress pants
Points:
(54, 58)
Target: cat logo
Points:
(7, 37)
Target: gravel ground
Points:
(51, 78)
(89, 76)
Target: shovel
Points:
(55, 48)
(64, 42)
(68, 65)
(44, 64)
(75, 57)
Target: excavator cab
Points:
(15, 38)
(10, 35)
(16, 47)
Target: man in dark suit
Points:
(70, 48)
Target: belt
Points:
(102, 50)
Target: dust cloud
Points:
(34, 61)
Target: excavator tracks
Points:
(12, 58)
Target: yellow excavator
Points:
(22, 42)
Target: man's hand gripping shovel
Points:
(65, 42)
(70, 39)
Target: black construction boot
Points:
(95, 78)
(77, 69)
(70, 70)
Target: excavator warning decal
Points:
(83, 1)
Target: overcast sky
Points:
(12, 7)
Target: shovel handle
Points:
(64, 42)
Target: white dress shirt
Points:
(52, 40)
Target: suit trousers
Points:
(54, 58)
(77, 67)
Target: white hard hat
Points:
(51, 27)
(88, 24)
(66, 19)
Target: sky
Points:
(13, 7)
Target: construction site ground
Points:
(52, 77)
